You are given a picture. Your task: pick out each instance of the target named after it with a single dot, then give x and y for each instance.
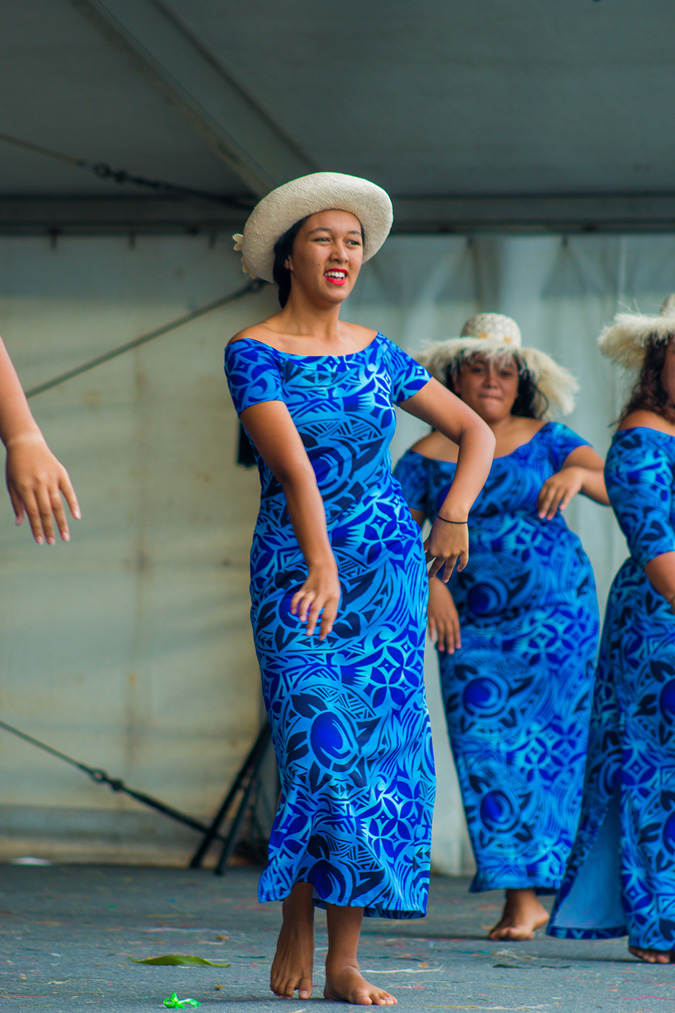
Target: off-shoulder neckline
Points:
(648, 429)
(502, 457)
(298, 355)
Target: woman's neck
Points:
(303, 319)
(502, 427)
(512, 432)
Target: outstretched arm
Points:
(35, 478)
(271, 428)
(448, 541)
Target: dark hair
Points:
(282, 251)
(283, 248)
(530, 403)
(648, 393)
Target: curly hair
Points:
(648, 393)
(530, 403)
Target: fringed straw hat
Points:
(320, 191)
(625, 340)
(497, 338)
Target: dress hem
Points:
(569, 933)
(539, 889)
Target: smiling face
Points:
(488, 386)
(327, 256)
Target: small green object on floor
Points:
(176, 959)
(173, 1002)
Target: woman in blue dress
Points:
(517, 637)
(338, 579)
(621, 876)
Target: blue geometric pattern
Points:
(517, 693)
(349, 717)
(621, 875)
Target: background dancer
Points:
(338, 580)
(621, 876)
(517, 636)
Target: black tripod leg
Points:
(212, 831)
(233, 835)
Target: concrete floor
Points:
(67, 932)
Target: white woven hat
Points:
(321, 191)
(625, 340)
(497, 337)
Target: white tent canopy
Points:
(528, 114)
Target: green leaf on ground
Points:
(174, 959)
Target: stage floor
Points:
(67, 933)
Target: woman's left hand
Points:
(447, 543)
(558, 490)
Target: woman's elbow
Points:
(294, 475)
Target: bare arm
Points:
(641, 510)
(448, 541)
(582, 472)
(35, 478)
(661, 575)
(418, 517)
(442, 616)
(272, 430)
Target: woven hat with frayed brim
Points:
(321, 191)
(625, 340)
(497, 337)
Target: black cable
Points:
(104, 171)
(252, 286)
(116, 783)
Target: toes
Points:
(512, 934)
(304, 988)
(651, 956)
(284, 989)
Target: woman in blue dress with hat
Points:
(338, 579)
(621, 876)
(517, 635)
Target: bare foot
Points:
(346, 983)
(652, 956)
(523, 913)
(293, 962)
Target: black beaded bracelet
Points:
(446, 521)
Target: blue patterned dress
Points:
(348, 714)
(621, 875)
(517, 693)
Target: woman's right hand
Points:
(36, 480)
(443, 618)
(318, 599)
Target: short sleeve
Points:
(411, 473)
(639, 478)
(252, 371)
(562, 442)
(407, 376)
